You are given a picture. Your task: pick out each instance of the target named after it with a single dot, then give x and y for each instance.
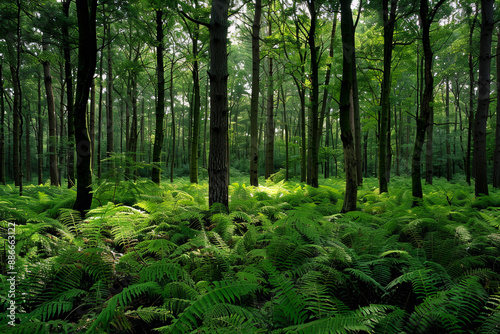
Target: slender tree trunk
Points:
(160, 102)
(87, 53)
(468, 167)
(423, 118)
(218, 169)
(314, 110)
(429, 146)
(350, 197)
(110, 144)
(39, 132)
(91, 123)
(480, 158)
(99, 112)
(496, 154)
(447, 129)
(254, 102)
(27, 133)
(269, 162)
(285, 121)
(389, 17)
(172, 111)
(51, 110)
(69, 93)
(193, 165)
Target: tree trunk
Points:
(254, 102)
(69, 93)
(27, 133)
(480, 157)
(218, 168)
(447, 129)
(429, 146)
(313, 115)
(269, 162)
(110, 144)
(389, 21)
(172, 111)
(87, 53)
(468, 166)
(193, 165)
(423, 118)
(160, 102)
(39, 132)
(346, 135)
(91, 123)
(51, 110)
(496, 154)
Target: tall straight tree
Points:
(313, 111)
(87, 58)
(68, 78)
(218, 168)
(483, 103)
(110, 143)
(496, 154)
(269, 157)
(160, 102)
(426, 18)
(346, 134)
(51, 110)
(389, 17)
(254, 102)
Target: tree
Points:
(2, 125)
(389, 17)
(270, 128)
(160, 101)
(218, 168)
(51, 109)
(483, 103)
(347, 27)
(87, 58)
(496, 154)
(426, 19)
(254, 104)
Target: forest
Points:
(249, 166)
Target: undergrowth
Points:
(150, 259)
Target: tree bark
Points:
(496, 154)
(39, 132)
(87, 53)
(314, 110)
(69, 96)
(480, 158)
(468, 165)
(218, 169)
(449, 171)
(389, 17)
(269, 161)
(110, 144)
(160, 102)
(423, 118)
(254, 102)
(350, 197)
(429, 145)
(193, 165)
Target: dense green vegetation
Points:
(149, 259)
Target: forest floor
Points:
(149, 259)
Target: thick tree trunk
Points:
(480, 158)
(389, 18)
(351, 191)
(69, 93)
(468, 159)
(160, 102)
(87, 53)
(496, 154)
(218, 169)
(254, 102)
(269, 160)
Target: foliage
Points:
(283, 260)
